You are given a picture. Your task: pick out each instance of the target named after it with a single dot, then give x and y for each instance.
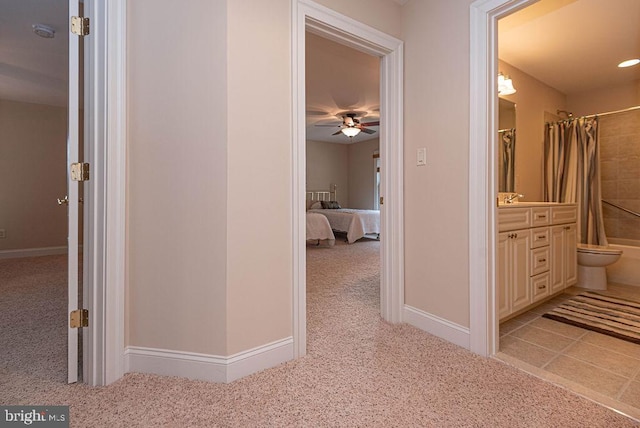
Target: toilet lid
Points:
(597, 249)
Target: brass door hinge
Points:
(381, 200)
(79, 171)
(79, 318)
(80, 25)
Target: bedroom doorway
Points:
(343, 247)
(309, 17)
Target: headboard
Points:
(320, 195)
(323, 195)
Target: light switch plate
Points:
(422, 156)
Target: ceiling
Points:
(339, 79)
(573, 45)
(33, 69)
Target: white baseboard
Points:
(437, 326)
(32, 252)
(206, 367)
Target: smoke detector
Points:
(43, 31)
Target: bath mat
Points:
(604, 314)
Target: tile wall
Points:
(620, 172)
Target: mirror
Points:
(506, 145)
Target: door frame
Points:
(483, 175)
(105, 192)
(308, 15)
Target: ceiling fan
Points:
(351, 126)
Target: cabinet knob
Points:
(542, 237)
(567, 227)
(542, 260)
(542, 287)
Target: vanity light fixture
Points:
(629, 63)
(350, 131)
(505, 85)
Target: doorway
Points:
(308, 16)
(342, 269)
(34, 105)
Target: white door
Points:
(73, 192)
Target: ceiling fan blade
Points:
(371, 124)
(368, 131)
(336, 133)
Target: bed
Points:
(318, 229)
(355, 223)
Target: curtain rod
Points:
(610, 112)
(598, 114)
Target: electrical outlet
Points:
(3, 233)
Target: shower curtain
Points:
(572, 173)
(506, 175)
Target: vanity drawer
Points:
(540, 237)
(514, 219)
(540, 260)
(539, 286)
(560, 215)
(540, 216)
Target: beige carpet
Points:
(360, 371)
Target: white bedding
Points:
(318, 228)
(356, 223)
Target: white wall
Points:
(362, 174)
(177, 172)
(209, 214)
(259, 246)
(328, 164)
(613, 98)
(33, 158)
(349, 166)
(383, 15)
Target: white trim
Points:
(483, 323)
(105, 142)
(115, 195)
(32, 252)
(307, 14)
(437, 326)
(206, 367)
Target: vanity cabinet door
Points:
(503, 275)
(570, 255)
(514, 290)
(520, 242)
(564, 266)
(557, 259)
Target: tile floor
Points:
(589, 361)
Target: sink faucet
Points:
(512, 198)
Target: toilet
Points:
(592, 262)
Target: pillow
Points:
(330, 205)
(316, 205)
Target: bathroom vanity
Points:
(536, 253)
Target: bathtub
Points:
(627, 269)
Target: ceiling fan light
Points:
(350, 132)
